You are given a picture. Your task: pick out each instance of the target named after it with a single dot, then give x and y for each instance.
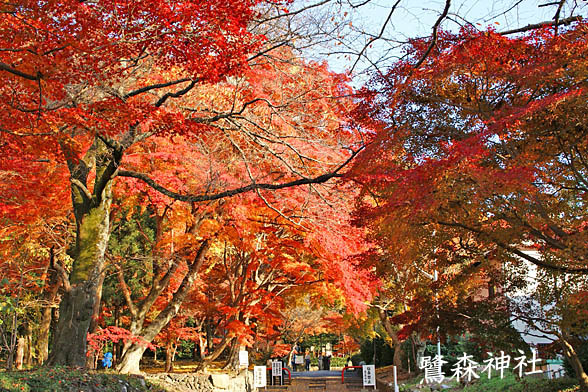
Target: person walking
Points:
(307, 360)
(295, 351)
(320, 361)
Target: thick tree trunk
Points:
(420, 353)
(77, 304)
(572, 356)
(97, 303)
(233, 359)
(129, 363)
(75, 313)
(92, 360)
(43, 340)
(130, 359)
(396, 343)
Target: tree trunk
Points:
(396, 343)
(92, 360)
(47, 312)
(116, 348)
(129, 363)
(20, 352)
(398, 354)
(196, 352)
(572, 356)
(421, 347)
(43, 340)
(28, 354)
(215, 354)
(75, 312)
(13, 344)
(77, 304)
(209, 336)
(170, 351)
(97, 303)
(130, 359)
(233, 359)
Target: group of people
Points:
(324, 361)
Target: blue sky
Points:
(415, 19)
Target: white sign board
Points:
(277, 369)
(259, 377)
(299, 360)
(243, 358)
(369, 375)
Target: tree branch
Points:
(177, 94)
(81, 187)
(178, 297)
(434, 38)
(155, 86)
(292, 13)
(125, 291)
(376, 37)
(233, 192)
(557, 13)
(515, 251)
(63, 276)
(8, 68)
(566, 21)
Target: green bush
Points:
(338, 362)
(64, 379)
(510, 383)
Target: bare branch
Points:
(566, 21)
(376, 37)
(557, 13)
(292, 13)
(434, 37)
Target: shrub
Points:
(64, 379)
(510, 383)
